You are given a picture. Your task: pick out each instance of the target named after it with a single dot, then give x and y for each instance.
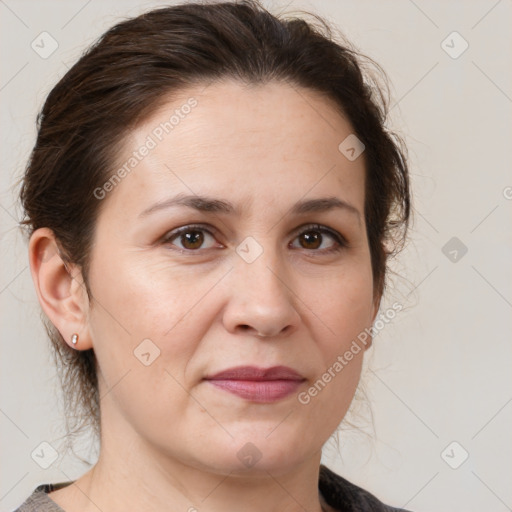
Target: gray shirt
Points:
(336, 491)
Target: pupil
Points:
(315, 238)
(194, 238)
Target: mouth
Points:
(263, 385)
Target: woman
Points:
(211, 202)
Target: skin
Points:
(168, 436)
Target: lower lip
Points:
(264, 391)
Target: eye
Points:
(313, 237)
(191, 237)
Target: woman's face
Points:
(264, 251)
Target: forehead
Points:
(260, 143)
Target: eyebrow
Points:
(212, 205)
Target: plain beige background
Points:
(439, 376)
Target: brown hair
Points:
(126, 75)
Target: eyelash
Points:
(340, 241)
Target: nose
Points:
(261, 299)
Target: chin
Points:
(256, 455)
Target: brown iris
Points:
(311, 237)
(194, 238)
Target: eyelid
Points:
(340, 241)
(323, 229)
(188, 227)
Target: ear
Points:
(60, 288)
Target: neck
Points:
(120, 485)
(131, 475)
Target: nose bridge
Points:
(259, 266)
(260, 296)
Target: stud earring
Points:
(74, 339)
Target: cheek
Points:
(145, 298)
(343, 310)
(344, 304)
(171, 306)
(134, 309)
(143, 339)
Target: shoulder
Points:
(39, 501)
(341, 494)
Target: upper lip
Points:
(257, 374)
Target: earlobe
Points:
(59, 288)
